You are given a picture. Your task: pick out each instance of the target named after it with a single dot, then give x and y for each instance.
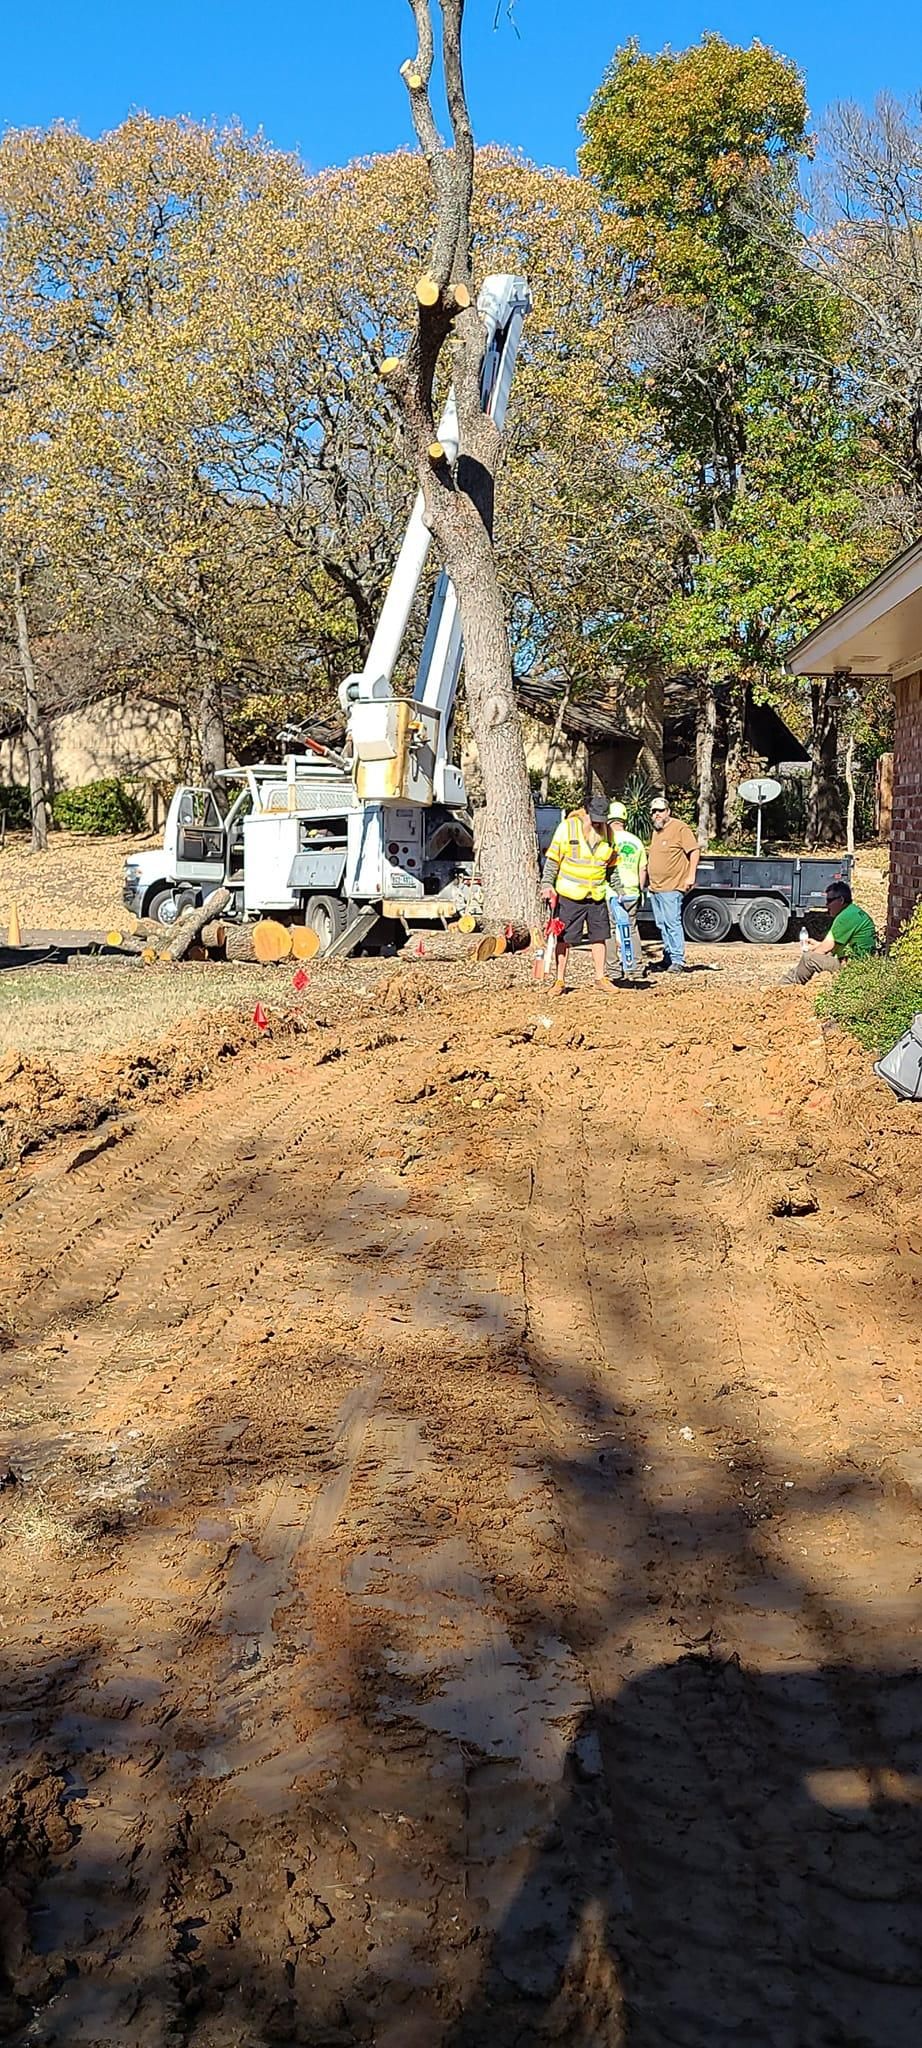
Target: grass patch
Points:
(875, 1000)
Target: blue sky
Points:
(321, 75)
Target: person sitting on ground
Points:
(573, 884)
(627, 882)
(851, 936)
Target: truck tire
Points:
(707, 919)
(168, 904)
(764, 920)
(327, 917)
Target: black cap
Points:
(597, 807)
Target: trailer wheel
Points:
(764, 920)
(327, 917)
(707, 919)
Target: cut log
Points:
(193, 921)
(427, 291)
(238, 942)
(271, 941)
(214, 936)
(305, 942)
(460, 297)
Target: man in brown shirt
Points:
(673, 864)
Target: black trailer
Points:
(762, 896)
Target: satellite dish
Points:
(762, 791)
(759, 792)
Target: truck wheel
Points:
(707, 919)
(764, 920)
(327, 917)
(166, 905)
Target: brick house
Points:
(879, 633)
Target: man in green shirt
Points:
(627, 883)
(851, 936)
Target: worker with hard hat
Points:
(574, 885)
(626, 884)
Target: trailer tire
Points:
(764, 920)
(327, 916)
(707, 919)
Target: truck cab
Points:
(202, 850)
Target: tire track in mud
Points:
(63, 1198)
(150, 1318)
(336, 1576)
(132, 1744)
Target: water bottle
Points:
(804, 938)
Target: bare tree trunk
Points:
(737, 708)
(507, 847)
(211, 736)
(34, 738)
(187, 766)
(705, 732)
(651, 759)
(553, 743)
(850, 786)
(825, 821)
(458, 495)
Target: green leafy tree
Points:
(742, 373)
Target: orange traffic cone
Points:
(15, 930)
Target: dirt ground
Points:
(460, 1535)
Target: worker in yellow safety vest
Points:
(573, 884)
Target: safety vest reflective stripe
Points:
(582, 869)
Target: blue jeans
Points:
(666, 905)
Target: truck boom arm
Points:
(503, 303)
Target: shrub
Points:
(874, 999)
(100, 808)
(907, 949)
(637, 796)
(14, 800)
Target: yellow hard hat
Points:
(617, 814)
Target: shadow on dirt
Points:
(755, 1874)
(348, 1791)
